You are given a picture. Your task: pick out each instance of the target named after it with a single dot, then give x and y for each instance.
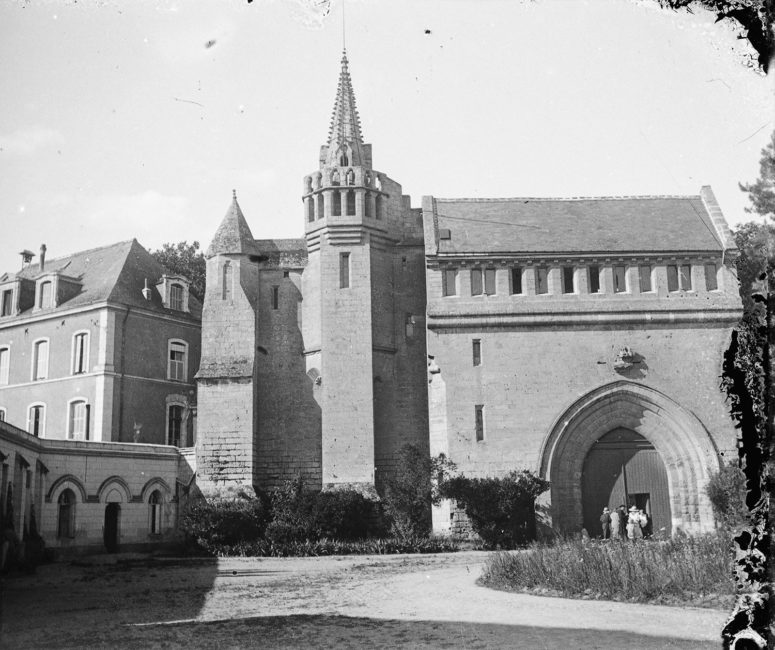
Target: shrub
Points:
(343, 514)
(684, 569)
(726, 490)
(212, 524)
(292, 513)
(412, 488)
(501, 510)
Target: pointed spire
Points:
(233, 235)
(344, 133)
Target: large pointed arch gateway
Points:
(681, 440)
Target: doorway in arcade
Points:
(622, 467)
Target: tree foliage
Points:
(752, 17)
(501, 510)
(761, 193)
(187, 260)
(726, 491)
(412, 488)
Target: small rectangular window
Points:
(477, 351)
(516, 280)
(476, 282)
(645, 278)
(78, 421)
(594, 279)
(449, 282)
(479, 417)
(36, 420)
(40, 362)
(176, 369)
(5, 365)
(275, 297)
(7, 307)
(80, 351)
(409, 326)
(174, 425)
(567, 280)
(489, 282)
(711, 277)
(620, 279)
(686, 277)
(672, 277)
(2, 415)
(344, 270)
(542, 280)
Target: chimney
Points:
(42, 257)
(146, 290)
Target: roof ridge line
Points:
(622, 197)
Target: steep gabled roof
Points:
(646, 224)
(233, 235)
(114, 273)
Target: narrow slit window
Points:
(479, 420)
(477, 352)
(516, 280)
(321, 206)
(489, 282)
(672, 277)
(275, 297)
(227, 279)
(567, 280)
(476, 282)
(645, 278)
(344, 270)
(620, 278)
(686, 277)
(336, 207)
(542, 280)
(711, 277)
(594, 279)
(449, 282)
(350, 203)
(310, 209)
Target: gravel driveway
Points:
(405, 601)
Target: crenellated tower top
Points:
(345, 147)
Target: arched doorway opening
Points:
(110, 530)
(623, 468)
(684, 446)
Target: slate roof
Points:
(233, 235)
(647, 224)
(115, 273)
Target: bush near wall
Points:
(727, 491)
(501, 510)
(211, 525)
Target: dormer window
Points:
(6, 303)
(45, 294)
(174, 290)
(176, 297)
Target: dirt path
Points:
(343, 602)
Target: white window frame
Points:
(83, 435)
(51, 301)
(5, 371)
(170, 344)
(42, 432)
(175, 401)
(87, 340)
(181, 304)
(35, 351)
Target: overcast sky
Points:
(121, 120)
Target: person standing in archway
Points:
(622, 521)
(616, 530)
(605, 523)
(634, 531)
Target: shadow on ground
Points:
(334, 631)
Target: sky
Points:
(122, 120)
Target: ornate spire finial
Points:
(344, 137)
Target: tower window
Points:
(645, 278)
(489, 282)
(542, 280)
(685, 277)
(449, 282)
(335, 178)
(227, 278)
(594, 279)
(479, 422)
(310, 209)
(336, 205)
(350, 177)
(516, 280)
(344, 270)
(275, 297)
(568, 285)
(350, 203)
(321, 209)
(620, 278)
(378, 206)
(711, 279)
(679, 277)
(369, 205)
(343, 159)
(477, 352)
